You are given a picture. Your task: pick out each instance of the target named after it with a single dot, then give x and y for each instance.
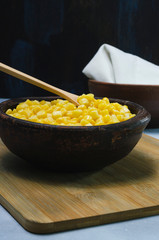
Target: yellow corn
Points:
(90, 112)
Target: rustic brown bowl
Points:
(145, 95)
(66, 148)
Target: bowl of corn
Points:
(54, 133)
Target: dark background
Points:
(53, 40)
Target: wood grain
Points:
(44, 202)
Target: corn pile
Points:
(90, 112)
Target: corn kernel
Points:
(22, 117)
(45, 106)
(127, 116)
(106, 118)
(76, 113)
(33, 118)
(74, 120)
(125, 109)
(120, 117)
(97, 102)
(22, 106)
(70, 106)
(54, 102)
(42, 102)
(63, 111)
(41, 114)
(17, 115)
(69, 114)
(22, 112)
(90, 96)
(28, 102)
(9, 111)
(28, 112)
(114, 119)
(35, 102)
(60, 120)
(57, 114)
(84, 122)
(102, 105)
(94, 114)
(106, 100)
(89, 124)
(117, 106)
(104, 112)
(88, 118)
(36, 109)
(82, 107)
(50, 109)
(84, 101)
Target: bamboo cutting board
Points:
(44, 202)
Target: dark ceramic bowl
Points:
(145, 95)
(66, 148)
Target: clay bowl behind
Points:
(65, 148)
(145, 95)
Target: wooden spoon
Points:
(25, 77)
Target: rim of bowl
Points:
(122, 84)
(142, 115)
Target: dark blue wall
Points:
(54, 39)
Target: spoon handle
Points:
(29, 79)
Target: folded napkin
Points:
(115, 66)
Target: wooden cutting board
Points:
(44, 202)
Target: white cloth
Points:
(115, 66)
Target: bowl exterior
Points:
(144, 95)
(65, 148)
